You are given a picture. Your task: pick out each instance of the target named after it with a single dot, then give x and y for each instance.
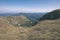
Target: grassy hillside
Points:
(17, 20)
(21, 18)
(43, 30)
(55, 14)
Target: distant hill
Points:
(55, 14)
(32, 16)
(17, 20)
(21, 17)
(30, 19)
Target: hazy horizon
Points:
(16, 6)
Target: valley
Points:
(31, 27)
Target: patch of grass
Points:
(44, 30)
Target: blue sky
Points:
(29, 5)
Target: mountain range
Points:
(33, 17)
(31, 26)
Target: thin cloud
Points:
(17, 10)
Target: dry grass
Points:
(44, 30)
(9, 32)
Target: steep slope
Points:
(18, 20)
(48, 28)
(45, 30)
(32, 17)
(52, 15)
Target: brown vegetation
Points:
(44, 30)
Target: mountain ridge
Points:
(55, 14)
